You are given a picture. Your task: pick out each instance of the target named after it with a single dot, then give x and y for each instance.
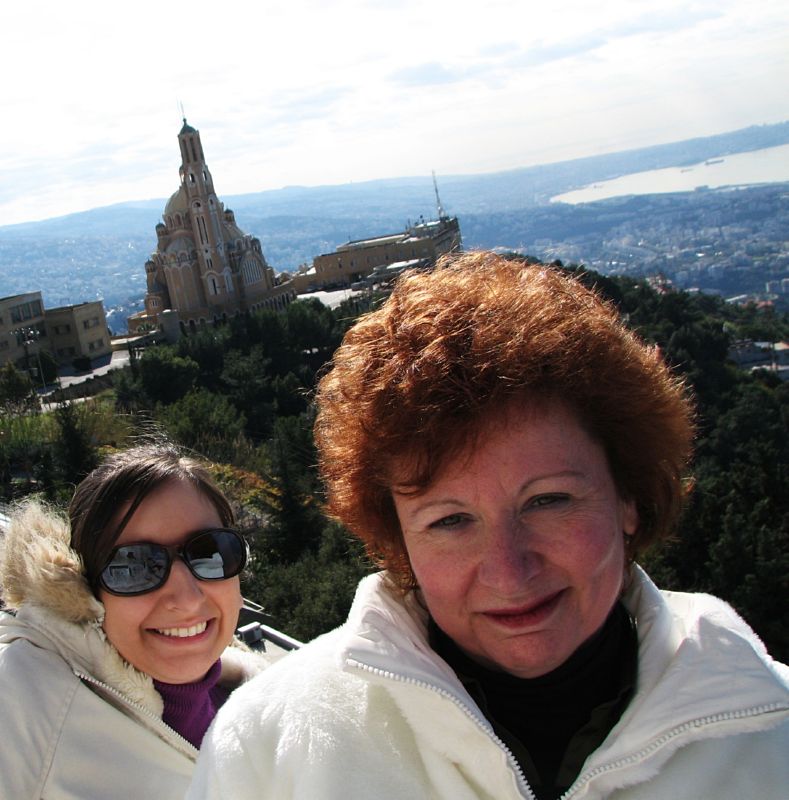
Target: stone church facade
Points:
(205, 268)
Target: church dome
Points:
(178, 203)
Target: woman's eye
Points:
(544, 500)
(450, 521)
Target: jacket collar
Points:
(85, 648)
(387, 631)
(697, 657)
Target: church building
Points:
(205, 268)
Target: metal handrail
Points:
(258, 630)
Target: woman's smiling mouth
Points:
(526, 616)
(183, 633)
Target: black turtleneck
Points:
(554, 722)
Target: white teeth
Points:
(183, 633)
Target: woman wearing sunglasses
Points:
(115, 656)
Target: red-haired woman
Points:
(507, 449)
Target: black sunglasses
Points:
(211, 555)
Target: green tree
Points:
(247, 383)
(49, 367)
(290, 395)
(129, 394)
(295, 520)
(734, 537)
(24, 438)
(166, 377)
(205, 422)
(208, 347)
(17, 393)
(313, 594)
(312, 331)
(75, 453)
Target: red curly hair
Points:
(415, 382)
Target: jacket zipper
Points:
(191, 750)
(661, 741)
(482, 724)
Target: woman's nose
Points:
(507, 561)
(182, 589)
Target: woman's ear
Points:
(629, 517)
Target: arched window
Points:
(203, 231)
(251, 271)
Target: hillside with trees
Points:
(240, 394)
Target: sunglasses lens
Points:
(216, 555)
(136, 568)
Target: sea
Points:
(770, 165)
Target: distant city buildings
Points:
(777, 286)
(205, 268)
(772, 356)
(67, 333)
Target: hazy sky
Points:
(311, 92)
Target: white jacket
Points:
(77, 720)
(370, 711)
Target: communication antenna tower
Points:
(441, 213)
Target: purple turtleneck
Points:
(189, 708)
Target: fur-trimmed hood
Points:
(42, 578)
(39, 567)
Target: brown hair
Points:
(129, 477)
(414, 382)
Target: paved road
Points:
(68, 376)
(120, 358)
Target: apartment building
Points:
(78, 331)
(28, 329)
(22, 328)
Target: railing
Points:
(255, 631)
(256, 634)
